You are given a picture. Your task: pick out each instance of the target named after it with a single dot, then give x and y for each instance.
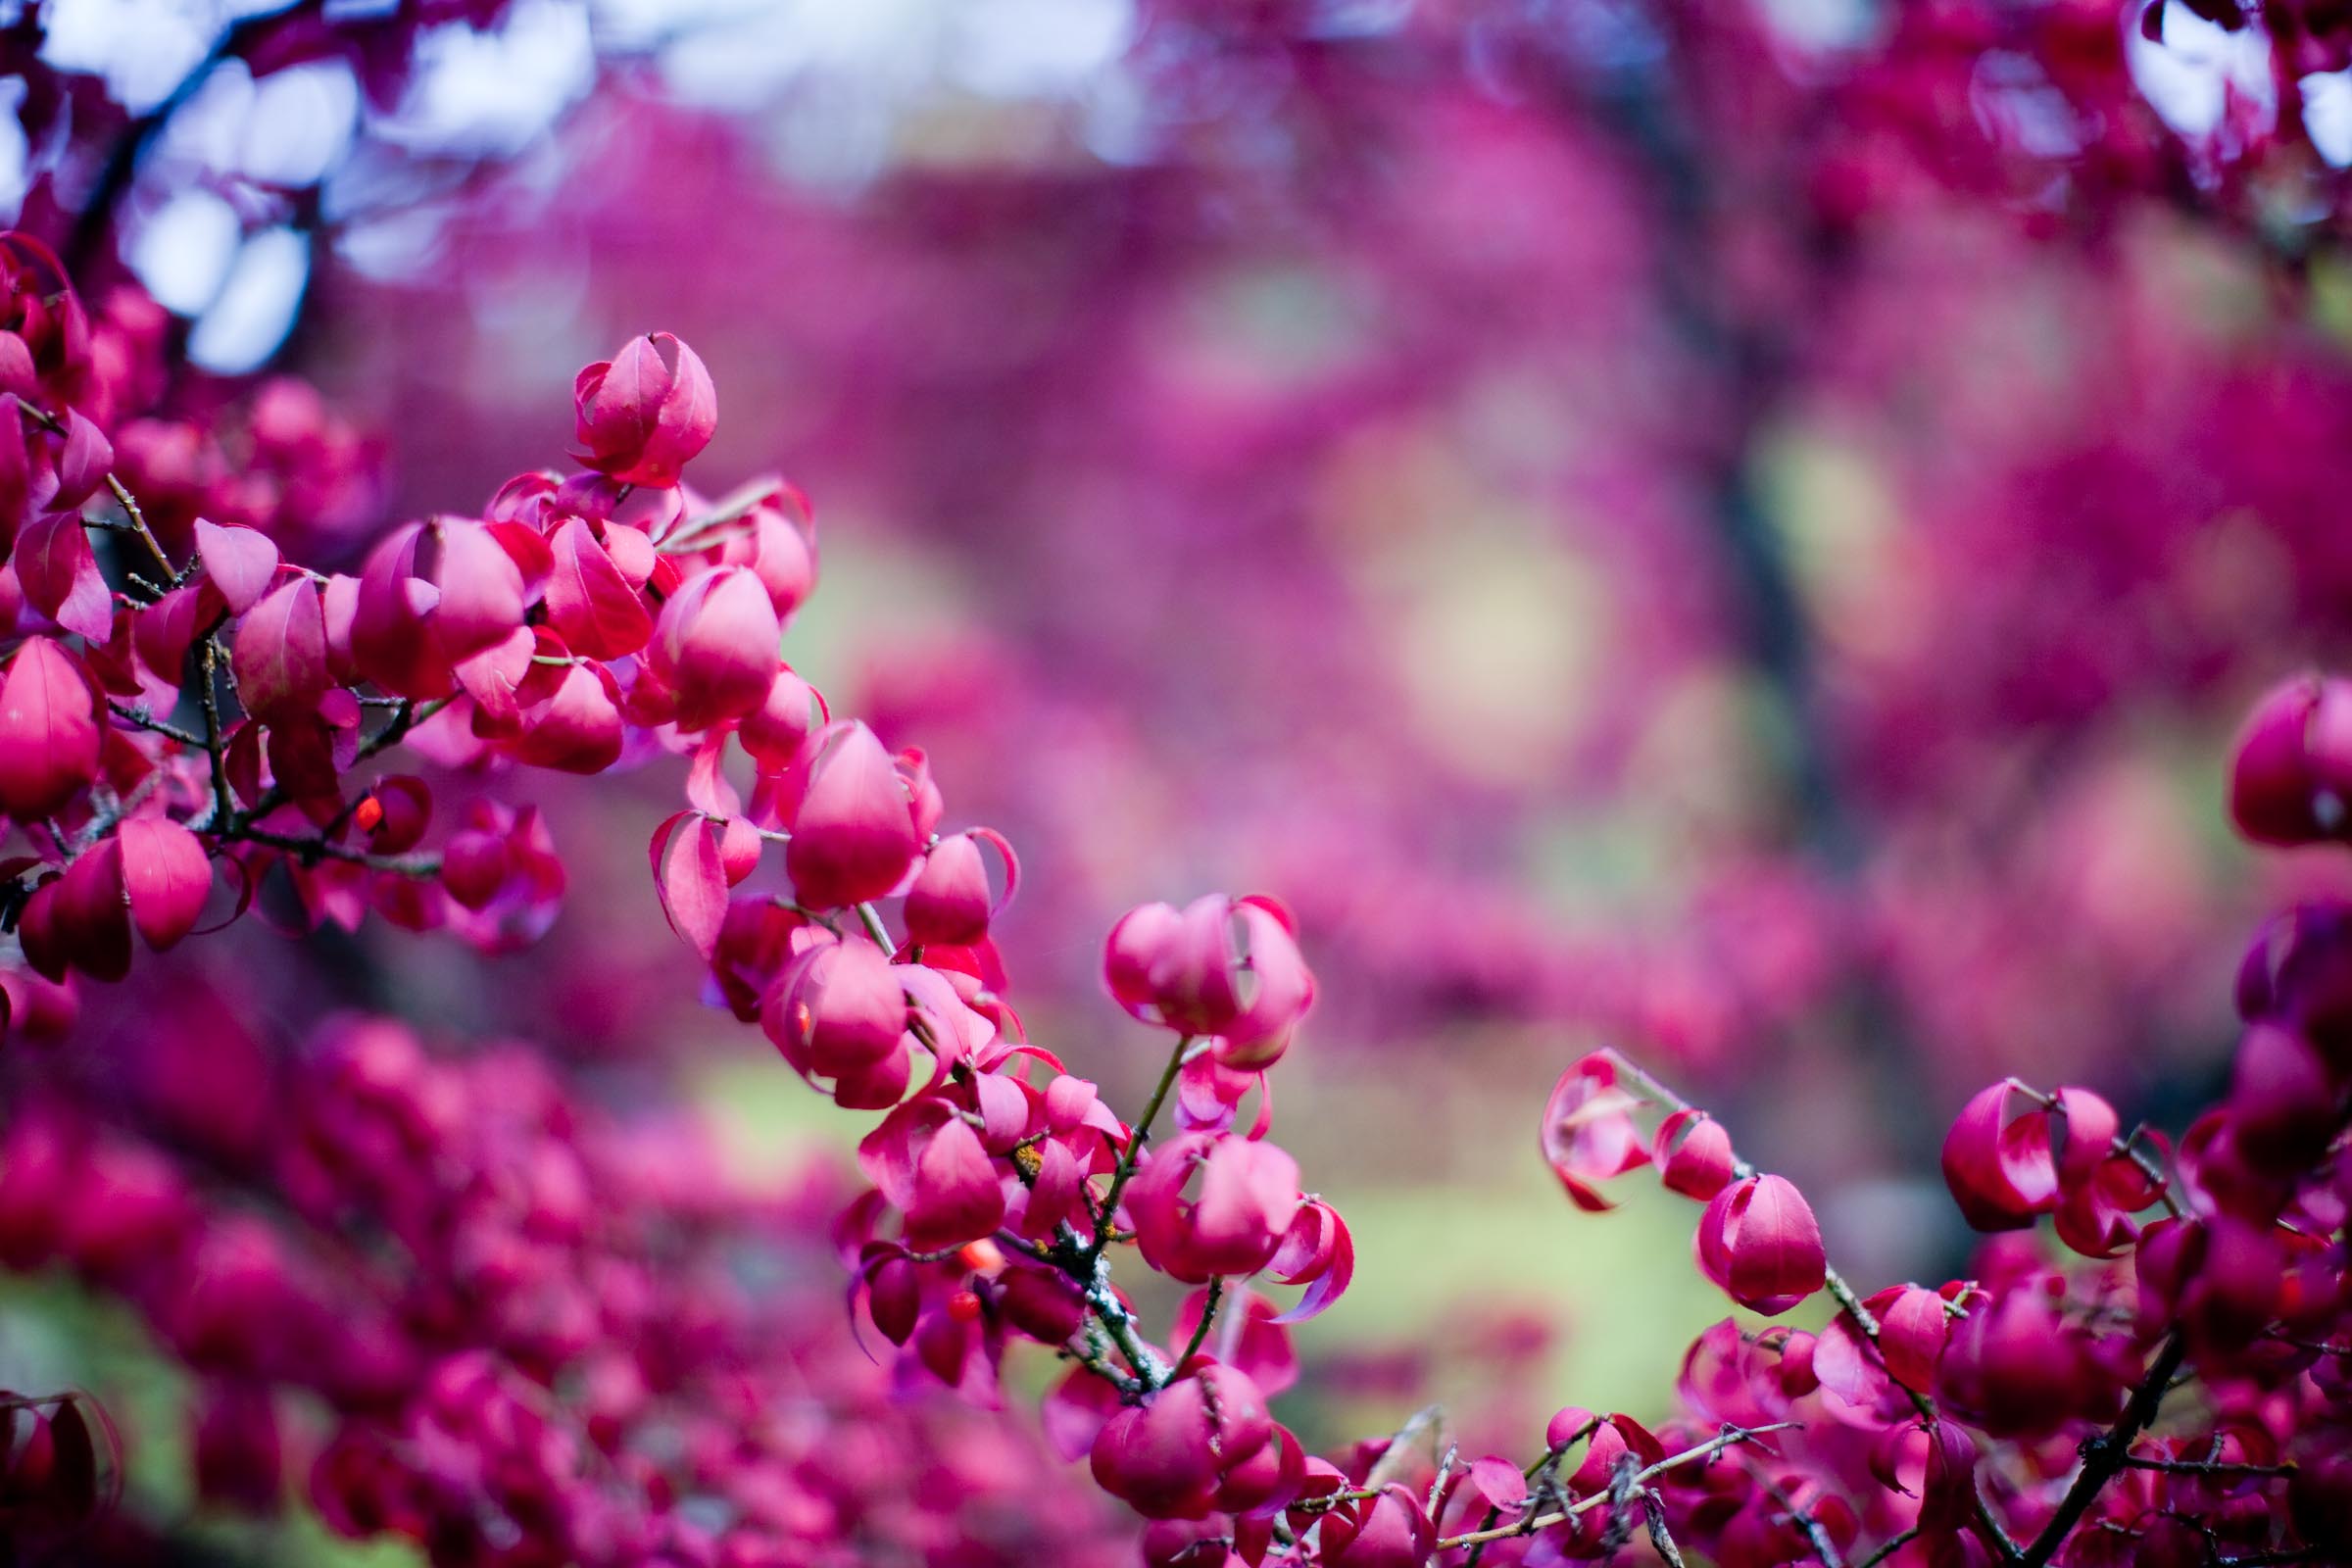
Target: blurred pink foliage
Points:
(1650, 519)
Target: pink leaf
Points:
(167, 876)
(239, 561)
(83, 463)
(691, 879)
(61, 576)
(280, 653)
(48, 731)
(481, 589)
(579, 731)
(589, 602)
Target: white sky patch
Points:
(393, 245)
(1820, 25)
(2016, 102)
(1361, 19)
(287, 129)
(300, 123)
(638, 25)
(256, 306)
(488, 94)
(184, 249)
(877, 48)
(2327, 115)
(2187, 78)
(15, 154)
(1033, 48)
(143, 48)
(742, 54)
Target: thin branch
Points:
(1653, 1510)
(1128, 1156)
(2104, 1455)
(312, 851)
(1848, 1301)
(1891, 1545)
(1385, 1469)
(140, 718)
(1707, 1450)
(1208, 1317)
(2205, 1467)
(1825, 1550)
(208, 665)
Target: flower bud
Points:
(1390, 1531)
(1042, 1303)
(836, 1009)
(1223, 966)
(853, 833)
(48, 731)
(1248, 1195)
(950, 903)
(894, 1296)
(715, 647)
(640, 419)
(2285, 1104)
(1759, 1243)
(239, 1460)
(2290, 775)
(1164, 1458)
(774, 733)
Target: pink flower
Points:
(431, 596)
(1391, 1531)
(1862, 1370)
(2014, 1368)
(2285, 1102)
(930, 1164)
(1167, 1456)
(1588, 1134)
(839, 1011)
(640, 419)
(48, 731)
(2011, 1156)
(715, 647)
(853, 833)
(239, 1458)
(774, 733)
(1694, 1154)
(950, 903)
(1247, 1196)
(1222, 967)
(2290, 777)
(777, 541)
(280, 653)
(1760, 1244)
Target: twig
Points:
(208, 665)
(1654, 1509)
(312, 851)
(1824, 1548)
(1848, 1303)
(1891, 1545)
(2104, 1455)
(1535, 1522)
(2205, 1467)
(1208, 1316)
(1128, 1156)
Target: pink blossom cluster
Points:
(540, 1349)
(1884, 222)
(2020, 1415)
(574, 621)
(449, 1299)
